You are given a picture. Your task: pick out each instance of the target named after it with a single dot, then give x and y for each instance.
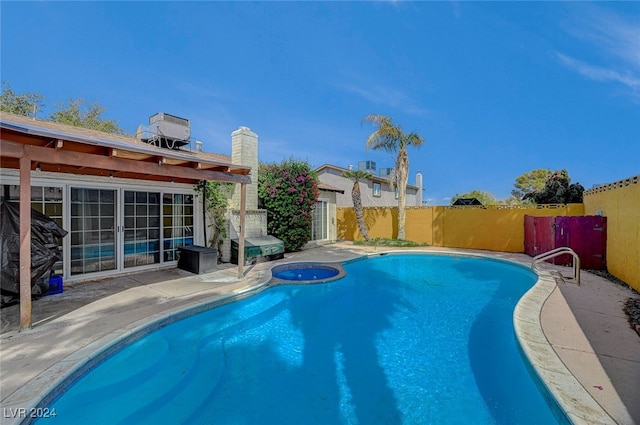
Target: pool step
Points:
(176, 402)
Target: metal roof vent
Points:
(367, 166)
(385, 172)
(165, 130)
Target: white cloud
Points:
(614, 34)
(613, 40)
(377, 94)
(600, 74)
(385, 96)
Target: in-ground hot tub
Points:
(309, 272)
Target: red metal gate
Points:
(586, 235)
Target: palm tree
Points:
(391, 138)
(356, 176)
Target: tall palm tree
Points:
(391, 138)
(356, 176)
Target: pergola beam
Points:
(116, 164)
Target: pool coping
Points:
(578, 405)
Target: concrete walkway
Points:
(584, 325)
(589, 331)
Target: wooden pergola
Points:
(27, 145)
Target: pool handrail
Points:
(555, 253)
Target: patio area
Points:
(584, 325)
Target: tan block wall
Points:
(494, 229)
(381, 222)
(620, 203)
(421, 229)
(491, 228)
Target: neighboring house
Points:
(376, 191)
(128, 205)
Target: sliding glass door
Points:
(319, 224)
(46, 199)
(177, 223)
(93, 230)
(141, 228)
(115, 229)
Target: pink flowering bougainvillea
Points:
(289, 192)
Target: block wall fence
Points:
(501, 228)
(620, 203)
(493, 228)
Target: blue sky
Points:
(495, 88)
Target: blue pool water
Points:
(412, 339)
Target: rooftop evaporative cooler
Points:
(165, 130)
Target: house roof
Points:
(373, 177)
(64, 148)
(329, 188)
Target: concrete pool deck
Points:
(583, 326)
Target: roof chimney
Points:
(198, 145)
(419, 193)
(244, 151)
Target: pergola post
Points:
(25, 242)
(243, 196)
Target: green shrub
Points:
(398, 243)
(216, 203)
(289, 192)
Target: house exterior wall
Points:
(331, 219)
(620, 203)
(387, 198)
(67, 181)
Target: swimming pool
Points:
(410, 338)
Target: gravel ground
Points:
(632, 309)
